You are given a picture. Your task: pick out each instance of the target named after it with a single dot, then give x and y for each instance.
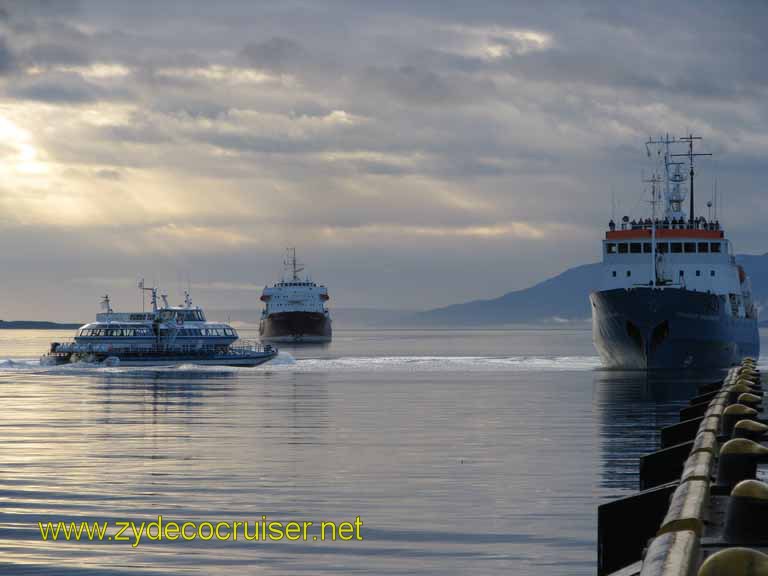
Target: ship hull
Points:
(296, 327)
(160, 360)
(648, 328)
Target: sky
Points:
(416, 153)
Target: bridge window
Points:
(689, 247)
(635, 248)
(703, 247)
(646, 247)
(714, 247)
(623, 248)
(676, 247)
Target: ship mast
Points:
(293, 264)
(153, 291)
(654, 181)
(106, 305)
(690, 154)
(672, 194)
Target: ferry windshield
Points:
(182, 315)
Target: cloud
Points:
(276, 54)
(7, 61)
(471, 147)
(50, 54)
(67, 89)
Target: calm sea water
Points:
(464, 452)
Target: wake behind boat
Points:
(166, 336)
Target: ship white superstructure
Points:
(294, 308)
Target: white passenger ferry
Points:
(166, 336)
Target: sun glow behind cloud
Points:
(97, 71)
(228, 74)
(23, 157)
(496, 42)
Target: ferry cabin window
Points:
(662, 247)
(689, 247)
(711, 272)
(613, 273)
(646, 247)
(623, 248)
(635, 248)
(698, 272)
(629, 273)
(714, 247)
(676, 247)
(703, 247)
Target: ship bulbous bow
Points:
(656, 328)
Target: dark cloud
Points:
(61, 88)
(50, 54)
(426, 87)
(109, 174)
(7, 60)
(276, 54)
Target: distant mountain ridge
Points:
(561, 298)
(36, 325)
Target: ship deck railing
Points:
(242, 348)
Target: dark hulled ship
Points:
(294, 308)
(673, 296)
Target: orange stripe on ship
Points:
(661, 233)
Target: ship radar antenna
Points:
(153, 291)
(165, 300)
(691, 155)
(292, 264)
(187, 299)
(654, 181)
(106, 305)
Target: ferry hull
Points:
(296, 327)
(653, 328)
(159, 360)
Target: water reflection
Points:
(632, 407)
